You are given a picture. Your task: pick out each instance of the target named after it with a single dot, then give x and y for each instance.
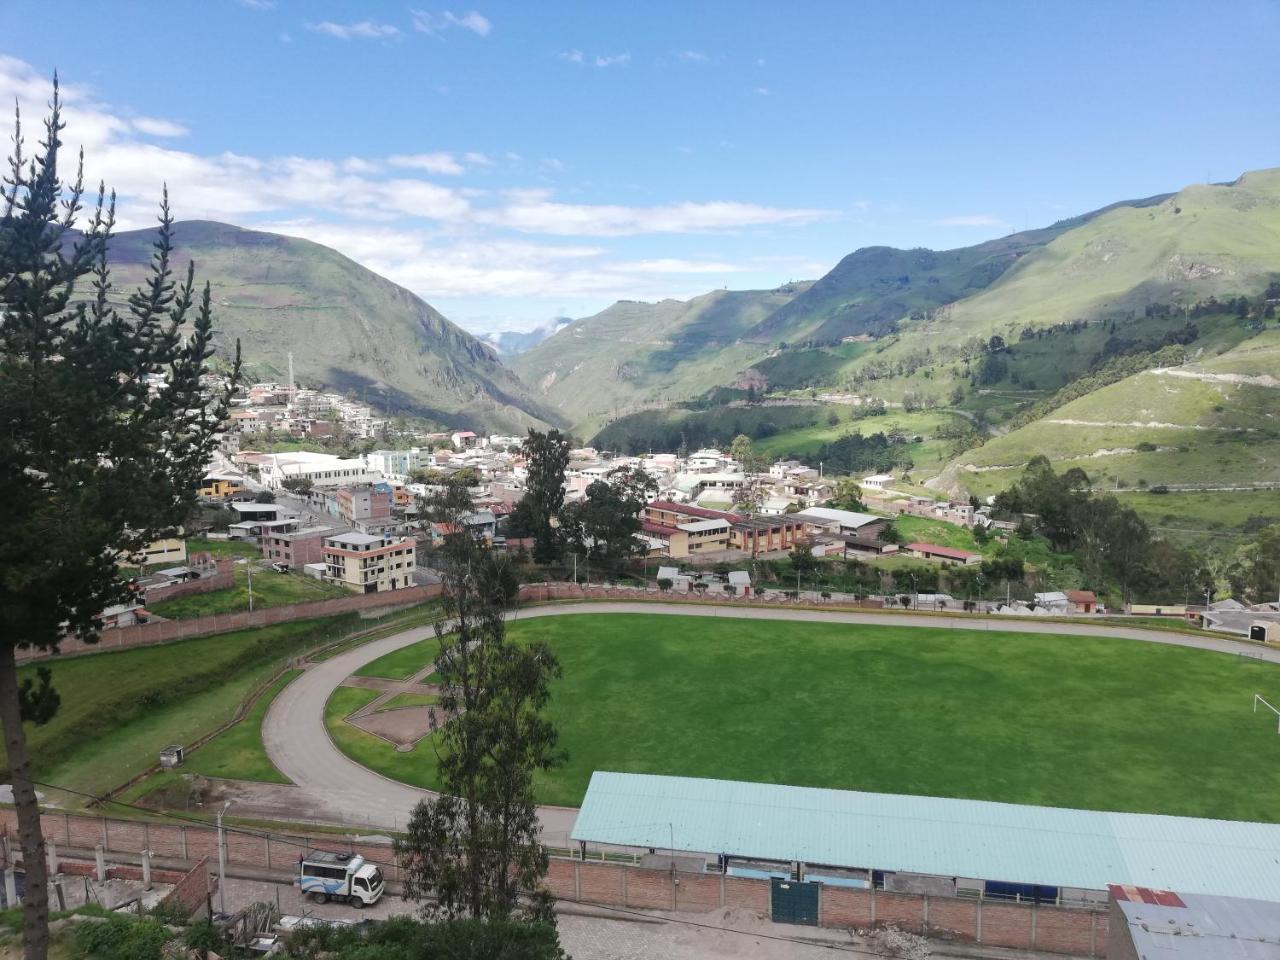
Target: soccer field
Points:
(1024, 718)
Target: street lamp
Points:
(222, 862)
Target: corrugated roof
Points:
(955, 838)
(1202, 927)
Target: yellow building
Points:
(167, 551)
(364, 563)
(218, 488)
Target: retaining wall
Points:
(1080, 932)
(148, 634)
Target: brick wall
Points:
(190, 891)
(149, 634)
(1055, 929)
(223, 579)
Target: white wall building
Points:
(322, 469)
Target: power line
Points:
(296, 841)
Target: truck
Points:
(325, 876)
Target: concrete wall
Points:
(1055, 929)
(222, 580)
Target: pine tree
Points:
(107, 434)
(548, 455)
(475, 849)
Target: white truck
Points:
(325, 876)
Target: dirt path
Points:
(326, 779)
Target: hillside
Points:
(1213, 421)
(634, 354)
(873, 289)
(348, 328)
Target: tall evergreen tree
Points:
(475, 849)
(107, 431)
(548, 456)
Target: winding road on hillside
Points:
(327, 780)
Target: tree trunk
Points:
(35, 906)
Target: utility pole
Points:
(222, 862)
(248, 572)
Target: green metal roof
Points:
(953, 838)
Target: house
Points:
(463, 439)
(219, 487)
(167, 550)
(933, 551)
(1082, 601)
(122, 615)
(297, 548)
(322, 469)
(367, 564)
(877, 481)
(740, 580)
(262, 512)
(866, 545)
(707, 530)
(829, 520)
(1156, 610)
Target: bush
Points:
(122, 938)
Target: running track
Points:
(299, 746)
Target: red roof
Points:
(702, 513)
(658, 529)
(1163, 898)
(1081, 596)
(951, 553)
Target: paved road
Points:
(299, 746)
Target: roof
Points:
(658, 529)
(690, 511)
(1014, 843)
(1198, 926)
(698, 526)
(845, 518)
(952, 552)
(740, 578)
(356, 539)
(1081, 596)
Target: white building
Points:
(878, 481)
(322, 469)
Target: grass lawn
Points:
(928, 530)
(1024, 718)
(270, 589)
(120, 708)
(410, 700)
(403, 663)
(238, 753)
(223, 548)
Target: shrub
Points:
(122, 938)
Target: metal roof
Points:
(1198, 927)
(954, 838)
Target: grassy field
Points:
(270, 589)
(1205, 516)
(223, 548)
(120, 708)
(403, 663)
(237, 753)
(928, 454)
(1002, 716)
(928, 530)
(410, 700)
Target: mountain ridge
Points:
(348, 328)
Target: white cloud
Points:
(972, 220)
(363, 30)
(761, 91)
(613, 60)
(430, 162)
(542, 215)
(435, 24)
(572, 56)
(155, 127)
(440, 241)
(693, 56)
(258, 4)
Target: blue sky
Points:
(512, 161)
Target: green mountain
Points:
(1214, 420)
(348, 329)
(872, 290)
(633, 354)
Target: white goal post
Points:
(1258, 699)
